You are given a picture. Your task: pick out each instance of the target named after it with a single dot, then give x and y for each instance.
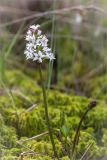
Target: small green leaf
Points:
(65, 130)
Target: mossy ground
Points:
(22, 116)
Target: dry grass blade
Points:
(36, 137)
(20, 94)
(30, 153)
(87, 150)
(32, 107)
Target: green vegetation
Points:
(78, 79)
(21, 121)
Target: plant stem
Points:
(76, 138)
(77, 134)
(46, 113)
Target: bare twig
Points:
(6, 9)
(57, 11)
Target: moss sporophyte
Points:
(37, 50)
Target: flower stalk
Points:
(46, 113)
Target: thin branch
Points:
(57, 11)
(6, 9)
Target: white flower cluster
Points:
(37, 47)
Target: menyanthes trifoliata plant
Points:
(37, 45)
(37, 50)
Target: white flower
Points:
(39, 32)
(78, 18)
(97, 31)
(37, 45)
(28, 55)
(44, 41)
(30, 38)
(38, 42)
(29, 33)
(34, 28)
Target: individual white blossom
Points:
(97, 31)
(78, 18)
(34, 28)
(37, 45)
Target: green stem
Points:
(91, 105)
(76, 138)
(46, 113)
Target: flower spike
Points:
(37, 45)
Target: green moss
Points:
(65, 111)
(97, 87)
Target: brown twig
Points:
(57, 11)
(6, 9)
